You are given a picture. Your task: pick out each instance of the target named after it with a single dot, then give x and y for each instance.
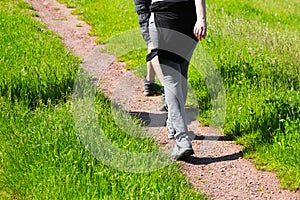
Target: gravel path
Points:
(217, 168)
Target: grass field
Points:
(41, 156)
(255, 45)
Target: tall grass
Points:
(41, 155)
(255, 46)
(33, 67)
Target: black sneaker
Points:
(149, 88)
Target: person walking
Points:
(143, 11)
(176, 26)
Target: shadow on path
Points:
(205, 161)
(150, 119)
(159, 119)
(213, 137)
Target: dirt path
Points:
(217, 168)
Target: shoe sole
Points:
(186, 153)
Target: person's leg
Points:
(149, 82)
(173, 89)
(173, 80)
(155, 62)
(184, 83)
(184, 88)
(150, 72)
(156, 69)
(153, 68)
(154, 45)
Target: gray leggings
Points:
(175, 85)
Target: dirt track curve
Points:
(220, 171)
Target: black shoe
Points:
(149, 88)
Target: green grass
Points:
(41, 154)
(30, 73)
(255, 46)
(44, 159)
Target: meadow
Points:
(41, 154)
(255, 46)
